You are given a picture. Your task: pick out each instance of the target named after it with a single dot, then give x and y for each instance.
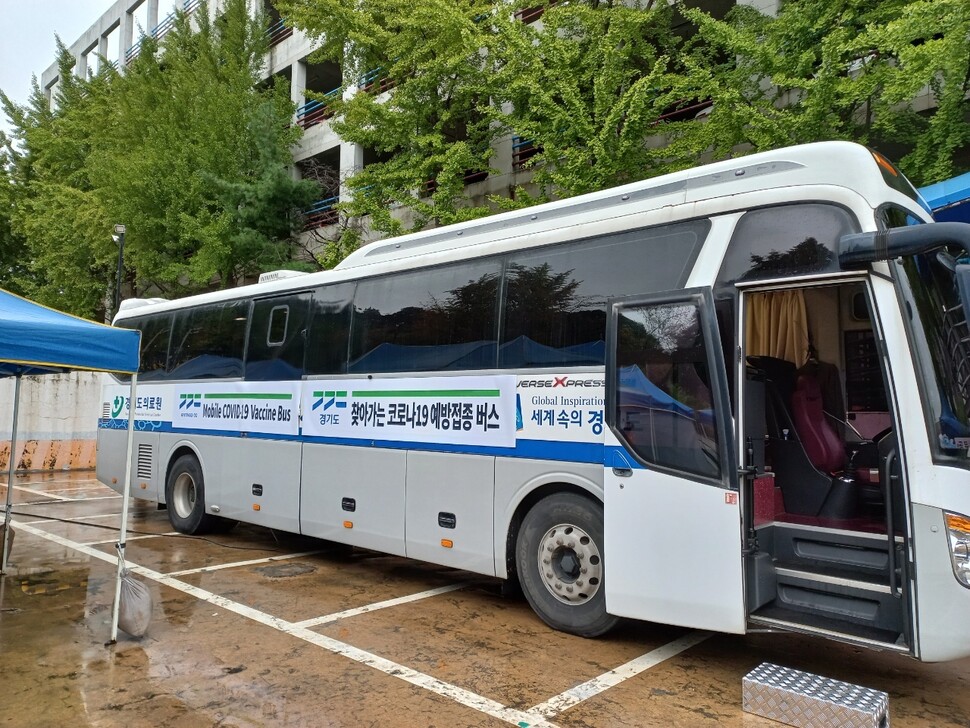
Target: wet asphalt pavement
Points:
(256, 628)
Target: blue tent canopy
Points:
(949, 199)
(35, 339)
(39, 340)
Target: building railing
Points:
(321, 213)
(376, 82)
(159, 31)
(471, 177)
(531, 15)
(522, 151)
(684, 111)
(315, 112)
(278, 32)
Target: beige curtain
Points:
(777, 326)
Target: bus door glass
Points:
(672, 514)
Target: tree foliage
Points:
(185, 148)
(894, 73)
(608, 91)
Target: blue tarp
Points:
(39, 340)
(638, 391)
(949, 199)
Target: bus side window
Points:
(427, 320)
(556, 297)
(207, 342)
(155, 333)
(277, 338)
(329, 333)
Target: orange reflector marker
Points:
(958, 523)
(255, 506)
(348, 524)
(447, 543)
(885, 163)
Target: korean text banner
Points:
(445, 410)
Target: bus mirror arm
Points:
(859, 249)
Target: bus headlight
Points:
(958, 530)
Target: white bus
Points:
(732, 398)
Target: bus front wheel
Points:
(185, 497)
(559, 558)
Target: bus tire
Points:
(559, 559)
(185, 497)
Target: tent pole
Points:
(10, 468)
(132, 405)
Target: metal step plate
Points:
(801, 699)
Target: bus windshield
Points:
(937, 321)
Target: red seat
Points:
(822, 445)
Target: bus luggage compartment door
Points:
(672, 510)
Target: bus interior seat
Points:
(824, 447)
(808, 486)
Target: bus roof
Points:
(841, 164)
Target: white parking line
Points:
(130, 538)
(42, 493)
(536, 716)
(388, 667)
(234, 564)
(64, 480)
(69, 520)
(618, 675)
(81, 489)
(317, 621)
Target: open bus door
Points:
(673, 534)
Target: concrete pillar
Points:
(351, 160)
(298, 84)
(81, 66)
(126, 33)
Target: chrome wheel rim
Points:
(570, 564)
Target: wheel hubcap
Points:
(570, 564)
(183, 495)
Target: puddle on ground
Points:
(285, 571)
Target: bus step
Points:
(802, 699)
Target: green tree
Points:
(195, 157)
(893, 73)
(57, 214)
(587, 86)
(186, 148)
(13, 257)
(608, 91)
(432, 130)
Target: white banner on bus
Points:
(441, 410)
(271, 408)
(153, 402)
(561, 407)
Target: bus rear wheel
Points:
(559, 558)
(185, 497)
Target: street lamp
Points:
(119, 237)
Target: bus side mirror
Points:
(860, 249)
